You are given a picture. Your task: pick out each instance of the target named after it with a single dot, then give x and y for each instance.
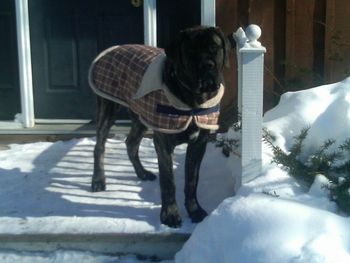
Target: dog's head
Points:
(199, 55)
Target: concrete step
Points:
(159, 245)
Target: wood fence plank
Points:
(299, 44)
(262, 13)
(227, 20)
(319, 41)
(337, 42)
(279, 39)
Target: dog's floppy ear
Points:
(231, 41)
(173, 49)
(226, 46)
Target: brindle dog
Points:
(192, 72)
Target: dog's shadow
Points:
(58, 184)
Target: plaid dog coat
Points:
(131, 75)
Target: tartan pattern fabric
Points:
(117, 73)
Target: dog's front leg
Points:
(164, 146)
(194, 157)
(105, 118)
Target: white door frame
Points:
(24, 63)
(208, 16)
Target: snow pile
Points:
(326, 109)
(272, 218)
(259, 228)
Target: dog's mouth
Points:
(206, 89)
(206, 86)
(201, 85)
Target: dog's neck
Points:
(181, 88)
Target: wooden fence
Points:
(307, 42)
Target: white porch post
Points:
(208, 13)
(250, 56)
(150, 22)
(25, 63)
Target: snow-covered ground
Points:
(273, 219)
(45, 189)
(66, 256)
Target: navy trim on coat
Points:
(171, 111)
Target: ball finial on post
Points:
(253, 33)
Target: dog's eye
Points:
(214, 49)
(208, 65)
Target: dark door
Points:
(173, 16)
(9, 78)
(66, 35)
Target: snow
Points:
(46, 189)
(273, 218)
(60, 256)
(326, 109)
(260, 228)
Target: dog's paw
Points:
(98, 186)
(170, 216)
(195, 211)
(198, 215)
(146, 176)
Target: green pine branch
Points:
(333, 164)
(322, 161)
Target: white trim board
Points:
(150, 22)
(208, 17)
(10, 125)
(25, 63)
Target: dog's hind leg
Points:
(133, 143)
(195, 153)
(106, 116)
